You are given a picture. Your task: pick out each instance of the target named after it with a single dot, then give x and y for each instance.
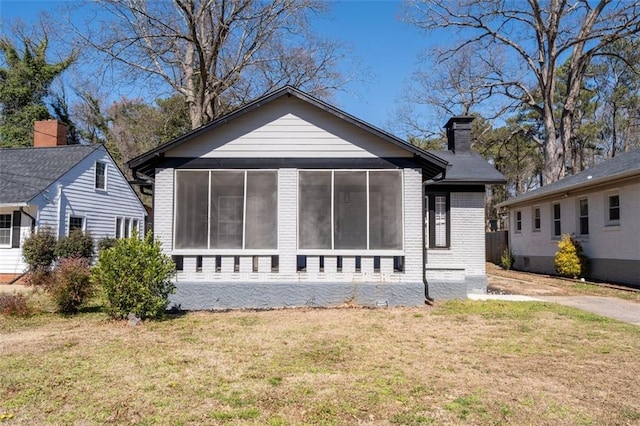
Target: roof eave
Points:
(526, 198)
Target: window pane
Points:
(5, 229)
(227, 209)
(314, 203)
(100, 175)
(584, 208)
(262, 210)
(192, 194)
(440, 214)
(614, 207)
(350, 210)
(385, 210)
(118, 227)
(75, 223)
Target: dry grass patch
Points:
(455, 363)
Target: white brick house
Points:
(292, 202)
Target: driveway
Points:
(612, 307)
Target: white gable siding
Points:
(288, 128)
(75, 195)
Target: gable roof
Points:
(144, 162)
(470, 168)
(26, 172)
(622, 166)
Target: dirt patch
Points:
(501, 281)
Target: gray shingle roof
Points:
(468, 168)
(623, 165)
(26, 172)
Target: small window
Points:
(127, 227)
(584, 216)
(518, 221)
(5, 230)
(536, 218)
(118, 227)
(179, 262)
(135, 227)
(198, 263)
(614, 209)
(437, 217)
(557, 229)
(76, 222)
(101, 175)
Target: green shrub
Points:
(38, 250)
(70, 285)
(77, 244)
(570, 261)
(14, 305)
(106, 243)
(507, 259)
(136, 277)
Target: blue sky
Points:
(386, 48)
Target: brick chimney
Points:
(459, 134)
(48, 133)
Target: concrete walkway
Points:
(611, 307)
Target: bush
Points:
(106, 243)
(77, 244)
(136, 277)
(70, 285)
(570, 261)
(38, 251)
(14, 305)
(507, 259)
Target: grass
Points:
(455, 363)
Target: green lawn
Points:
(454, 363)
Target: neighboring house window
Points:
(118, 227)
(76, 222)
(584, 216)
(5, 230)
(557, 229)
(536, 219)
(614, 210)
(101, 175)
(437, 214)
(226, 209)
(518, 221)
(350, 210)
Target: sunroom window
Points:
(349, 210)
(226, 209)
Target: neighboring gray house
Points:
(292, 202)
(599, 206)
(61, 187)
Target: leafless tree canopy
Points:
(218, 54)
(541, 35)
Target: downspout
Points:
(426, 183)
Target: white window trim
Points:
(553, 221)
(95, 176)
(10, 230)
(78, 216)
(580, 217)
(607, 210)
(348, 252)
(533, 219)
(517, 222)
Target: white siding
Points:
(11, 258)
(74, 194)
(288, 128)
(163, 208)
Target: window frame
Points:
(536, 218)
(583, 219)
(368, 249)
(430, 216)
(556, 220)
(8, 245)
(518, 222)
(209, 247)
(104, 176)
(83, 220)
(609, 208)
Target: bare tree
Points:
(541, 35)
(217, 54)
